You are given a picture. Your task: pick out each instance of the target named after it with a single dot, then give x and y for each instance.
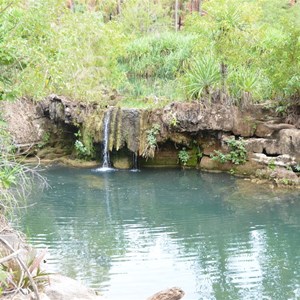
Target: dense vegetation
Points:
(130, 51)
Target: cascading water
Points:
(105, 152)
(134, 162)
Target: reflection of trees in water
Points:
(211, 217)
(219, 261)
(75, 222)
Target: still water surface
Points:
(131, 234)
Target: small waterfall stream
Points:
(105, 152)
(134, 162)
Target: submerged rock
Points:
(174, 293)
(64, 288)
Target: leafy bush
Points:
(15, 273)
(83, 146)
(151, 141)
(237, 152)
(56, 50)
(183, 156)
(159, 55)
(46, 48)
(203, 77)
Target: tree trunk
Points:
(71, 5)
(119, 9)
(199, 8)
(176, 14)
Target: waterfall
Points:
(134, 162)
(105, 153)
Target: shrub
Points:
(202, 77)
(183, 156)
(151, 141)
(237, 154)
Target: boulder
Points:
(289, 142)
(25, 122)
(122, 163)
(208, 164)
(64, 288)
(174, 293)
(262, 130)
(244, 124)
(280, 176)
(280, 160)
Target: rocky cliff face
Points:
(157, 136)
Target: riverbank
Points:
(253, 141)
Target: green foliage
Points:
(83, 146)
(203, 77)
(258, 42)
(237, 152)
(183, 156)
(297, 168)
(81, 150)
(232, 171)
(143, 16)
(149, 92)
(271, 164)
(45, 140)
(13, 274)
(160, 55)
(151, 135)
(220, 157)
(173, 122)
(56, 50)
(97, 48)
(151, 141)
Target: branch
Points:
(10, 256)
(5, 8)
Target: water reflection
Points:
(130, 234)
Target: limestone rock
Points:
(244, 124)
(280, 176)
(289, 141)
(25, 122)
(65, 288)
(207, 163)
(248, 168)
(266, 129)
(193, 116)
(280, 160)
(209, 145)
(122, 162)
(255, 145)
(280, 126)
(174, 293)
(262, 130)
